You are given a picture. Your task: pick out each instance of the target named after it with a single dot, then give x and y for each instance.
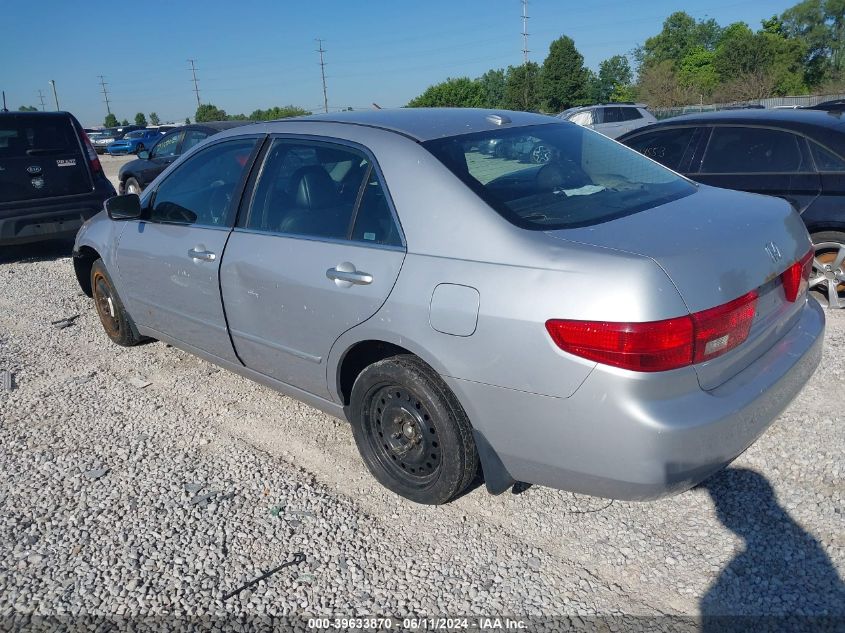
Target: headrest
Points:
(313, 188)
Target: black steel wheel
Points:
(412, 433)
(116, 321)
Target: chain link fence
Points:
(773, 102)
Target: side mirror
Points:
(144, 155)
(125, 207)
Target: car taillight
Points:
(93, 159)
(795, 278)
(658, 345)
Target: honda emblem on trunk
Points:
(774, 252)
(34, 169)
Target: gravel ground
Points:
(147, 481)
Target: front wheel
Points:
(116, 321)
(411, 431)
(827, 281)
(132, 186)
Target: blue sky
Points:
(260, 54)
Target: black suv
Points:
(51, 180)
(797, 155)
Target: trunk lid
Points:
(717, 245)
(41, 157)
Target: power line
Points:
(196, 87)
(525, 50)
(105, 93)
(321, 50)
(41, 96)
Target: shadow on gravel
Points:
(782, 572)
(38, 252)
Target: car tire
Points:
(827, 281)
(132, 186)
(411, 431)
(116, 321)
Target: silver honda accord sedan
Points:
(595, 322)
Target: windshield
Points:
(136, 134)
(557, 176)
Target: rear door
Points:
(41, 157)
(169, 261)
(760, 160)
(317, 253)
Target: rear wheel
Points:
(116, 321)
(412, 433)
(132, 186)
(827, 281)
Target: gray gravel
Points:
(122, 499)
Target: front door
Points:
(317, 253)
(169, 261)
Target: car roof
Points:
(782, 117)
(214, 125)
(618, 104)
(424, 124)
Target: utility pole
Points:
(105, 93)
(321, 50)
(41, 96)
(196, 87)
(55, 94)
(525, 50)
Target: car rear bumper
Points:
(56, 221)
(638, 436)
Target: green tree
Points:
(29, 108)
(208, 112)
(187, 121)
(111, 120)
(154, 120)
(277, 112)
(522, 87)
(820, 25)
(614, 78)
(660, 87)
(493, 85)
(564, 78)
(461, 92)
(125, 122)
(698, 72)
(140, 119)
(680, 35)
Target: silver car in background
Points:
(611, 119)
(595, 323)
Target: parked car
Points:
(104, 138)
(611, 119)
(834, 105)
(135, 175)
(596, 323)
(797, 155)
(134, 142)
(51, 180)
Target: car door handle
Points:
(345, 275)
(204, 255)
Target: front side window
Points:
(321, 190)
(193, 137)
(752, 150)
(559, 176)
(167, 146)
(665, 146)
(200, 190)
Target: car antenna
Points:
(5, 109)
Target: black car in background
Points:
(135, 175)
(797, 155)
(51, 180)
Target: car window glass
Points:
(664, 146)
(752, 150)
(200, 190)
(825, 159)
(374, 222)
(193, 137)
(582, 118)
(22, 137)
(167, 146)
(612, 115)
(307, 188)
(631, 114)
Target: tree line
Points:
(688, 61)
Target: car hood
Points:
(712, 244)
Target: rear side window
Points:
(665, 146)
(753, 150)
(631, 114)
(193, 137)
(558, 176)
(21, 137)
(200, 191)
(825, 159)
(321, 190)
(612, 115)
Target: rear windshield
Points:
(557, 176)
(136, 134)
(36, 136)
